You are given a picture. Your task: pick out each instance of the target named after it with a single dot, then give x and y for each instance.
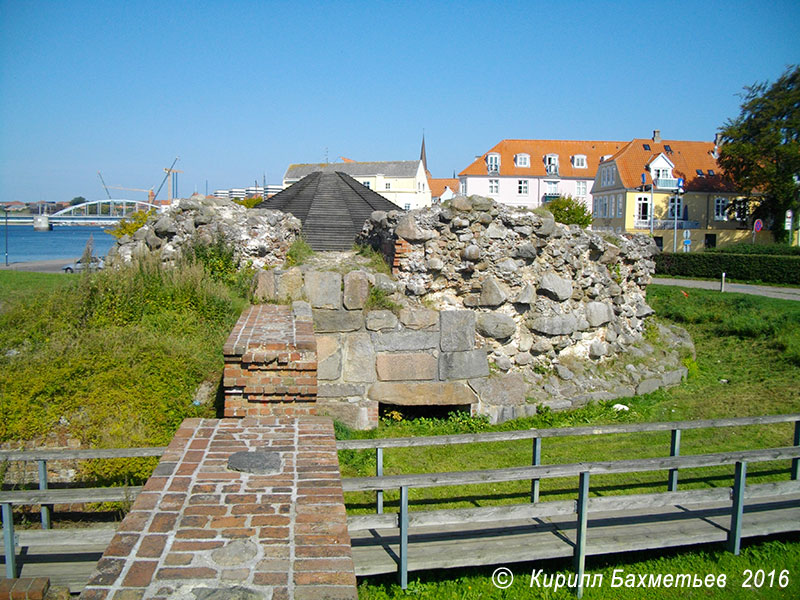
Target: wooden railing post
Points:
(735, 532)
(674, 450)
(403, 567)
(796, 461)
(580, 534)
(379, 473)
(45, 508)
(8, 541)
(537, 460)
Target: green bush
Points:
(299, 252)
(745, 248)
(131, 224)
(219, 261)
(711, 265)
(569, 211)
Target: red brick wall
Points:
(270, 364)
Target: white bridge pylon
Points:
(117, 207)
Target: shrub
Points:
(755, 267)
(249, 202)
(219, 261)
(131, 224)
(569, 211)
(377, 262)
(745, 248)
(379, 299)
(299, 252)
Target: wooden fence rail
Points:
(582, 505)
(46, 497)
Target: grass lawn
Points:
(747, 365)
(21, 284)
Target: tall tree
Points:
(761, 148)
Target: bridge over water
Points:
(93, 212)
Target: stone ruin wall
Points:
(502, 309)
(259, 237)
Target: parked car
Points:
(95, 264)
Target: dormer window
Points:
(522, 160)
(493, 163)
(579, 161)
(551, 164)
(661, 173)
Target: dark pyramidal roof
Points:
(331, 206)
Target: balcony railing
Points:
(665, 224)
(493, 169)
(550, 196)
(552, 169)
(666, 184)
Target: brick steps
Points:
(24, 588)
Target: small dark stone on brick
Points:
(255, 462)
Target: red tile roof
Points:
(686, 156)
(537, 149)
(437, 186)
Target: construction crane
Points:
(172, 187)
(149, 192)
(104, 185)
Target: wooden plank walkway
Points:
(66, 556)
(376, 551)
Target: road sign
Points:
(758, 225)
(686, 234)
(687, 242)
(787, 225)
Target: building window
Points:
(720, 209)
(613, 207)
(522, 160)
(522, 187)
(595, 203)
(662, 173)
(619, 206)
(366, 183)
(711, 240)
(463, 186)
(494, 186)
(551, 164)
(643, 208)
(579, 161)
(493, 163)
(580, 189)
(407, 206)
(388, 185)
(675, 207)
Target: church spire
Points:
(422, 155)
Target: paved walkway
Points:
(784, 293)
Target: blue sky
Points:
(242, 89)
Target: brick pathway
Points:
(199, 527)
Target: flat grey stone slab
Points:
(258, 462)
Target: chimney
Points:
(657, 136)
(718, 139)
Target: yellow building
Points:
(636, 190)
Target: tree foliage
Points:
(761, 148)
(569, 211)
(77, 200)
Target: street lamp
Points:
(5, 208)
(678, 192)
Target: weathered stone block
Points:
(457, 330)
(356, 290)
(419, 319)
(648, 385)
(324, 289)
(415, 394)
(380, 320)
(264, 286)
(341, 390)
(598, 313)
(555, 287)
(359, 358)
(555, 325)
(399, 341)
(495, 325)
(329, 357)
(492, 294)
(508, 388)
(329, 321)
(463, 365)
(406, 366)
(289, 284)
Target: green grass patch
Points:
(377, 263)
(298, 253)
(20, 285)
(113, 359)
(379, 299)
